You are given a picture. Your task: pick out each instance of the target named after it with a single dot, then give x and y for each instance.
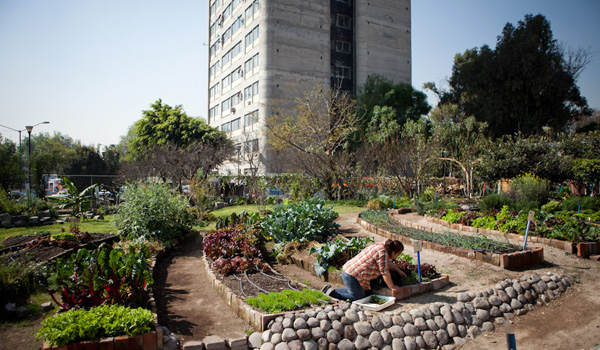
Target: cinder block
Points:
(193, 345)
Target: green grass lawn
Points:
(92, 226)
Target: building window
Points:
(236, 98)
(344, 21)
(230, 55)
(214, 48)
(251, 118)
(251, 146)
(237, 24)
(226, 81)
(252, 37)
(342, 71)
(250, 64)
(235, 124)
(225, 106)
(343, 46)
(227, 12)
(236, 74)
(212, 71)
(251, 90)
(214, 90)
(213, 113)
(214, 6)
(252, 11)
(226, 35)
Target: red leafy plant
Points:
(233, 249)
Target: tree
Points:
(49, 155)
(11, 165)
(169, 144)
(387, 106)
(527, 82)
(86, 161)
(315, 128)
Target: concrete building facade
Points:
(258, 47)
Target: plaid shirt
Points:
(371, 263)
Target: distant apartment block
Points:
(257, 47)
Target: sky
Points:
(91, 67)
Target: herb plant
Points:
(287, 300)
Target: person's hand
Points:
(402, 273)
(395, 290)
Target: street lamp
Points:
(29, 129)
(19, 131)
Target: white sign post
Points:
(530, 218)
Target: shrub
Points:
(495, 202)
(551, 207)
(375, 204)
(154, 212)
(529, 188)
(103, 321)
(6, 206)
(306, 221)
(17, 282)
(587, 203)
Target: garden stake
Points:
(530, 218)
(510, 337)
(417, 246)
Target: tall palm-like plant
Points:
(79, 202)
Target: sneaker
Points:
(326, 289)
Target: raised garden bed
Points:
(582, 249)
(503, 255)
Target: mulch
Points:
(245, 285)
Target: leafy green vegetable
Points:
(103, 321)
(337, 253)
(287, 300)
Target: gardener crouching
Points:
(370, 263)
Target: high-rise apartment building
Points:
(257, 47)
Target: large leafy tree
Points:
(87, 161)
(387, 106)
(49, 155)
(168, 143)
(527, 82)
(11, 165)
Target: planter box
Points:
(585, 249)
(147, 341)
(416, 289)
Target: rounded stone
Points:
(525, 285)
(503, 296)
(396, 332)
(317, 333)
(349, 332)
(376, 323)
(440, 322)
(410, 329)
(515, 304)
(295, 344)
(255, 339)
(311, 313)
(552, 285)
(323, 344)
(325, 325)
(452, 330)
(467, 316)
(442, 337)
(312, 322)
(416, 313)
(420, 323)
(386, 320)
(398, 344)
(406, 317)
(267, 346)
(277, 327)
(304, 334)
(352, 315)
(361, 343)
(464, 297)
(430, 339)
(322, 315)
(462, 330)
(332, 315)
(299, 323)
(376, 340)
(420, 342)
(410, 343)
(458, 306)
(495, 300)
(426, 312)
(397, 320)
(435, 309)
(276, 338)
(512, 293)
(346, 344)
(495, 312)
(484, 315)
(504, 308)
(432, 325)
(542, 286)
(287, 322)
(310, 345)
(363, 328)
(521, 312)
(282, 346)
(386, 336)
(488, 327)
(474, 332)
(457, 317)
(338, 326)
(517, 287)
(476, 321)
(288, 335)
(333, 336)
(266, 335)
(481, 303)
(522, 299)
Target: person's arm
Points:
(390, 283)
(393, 266)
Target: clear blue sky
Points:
(91, 67)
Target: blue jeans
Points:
(353, 290)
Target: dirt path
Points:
(186, 302)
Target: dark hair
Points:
(393, 246)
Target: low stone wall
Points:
(349, 326)
(515, 260)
